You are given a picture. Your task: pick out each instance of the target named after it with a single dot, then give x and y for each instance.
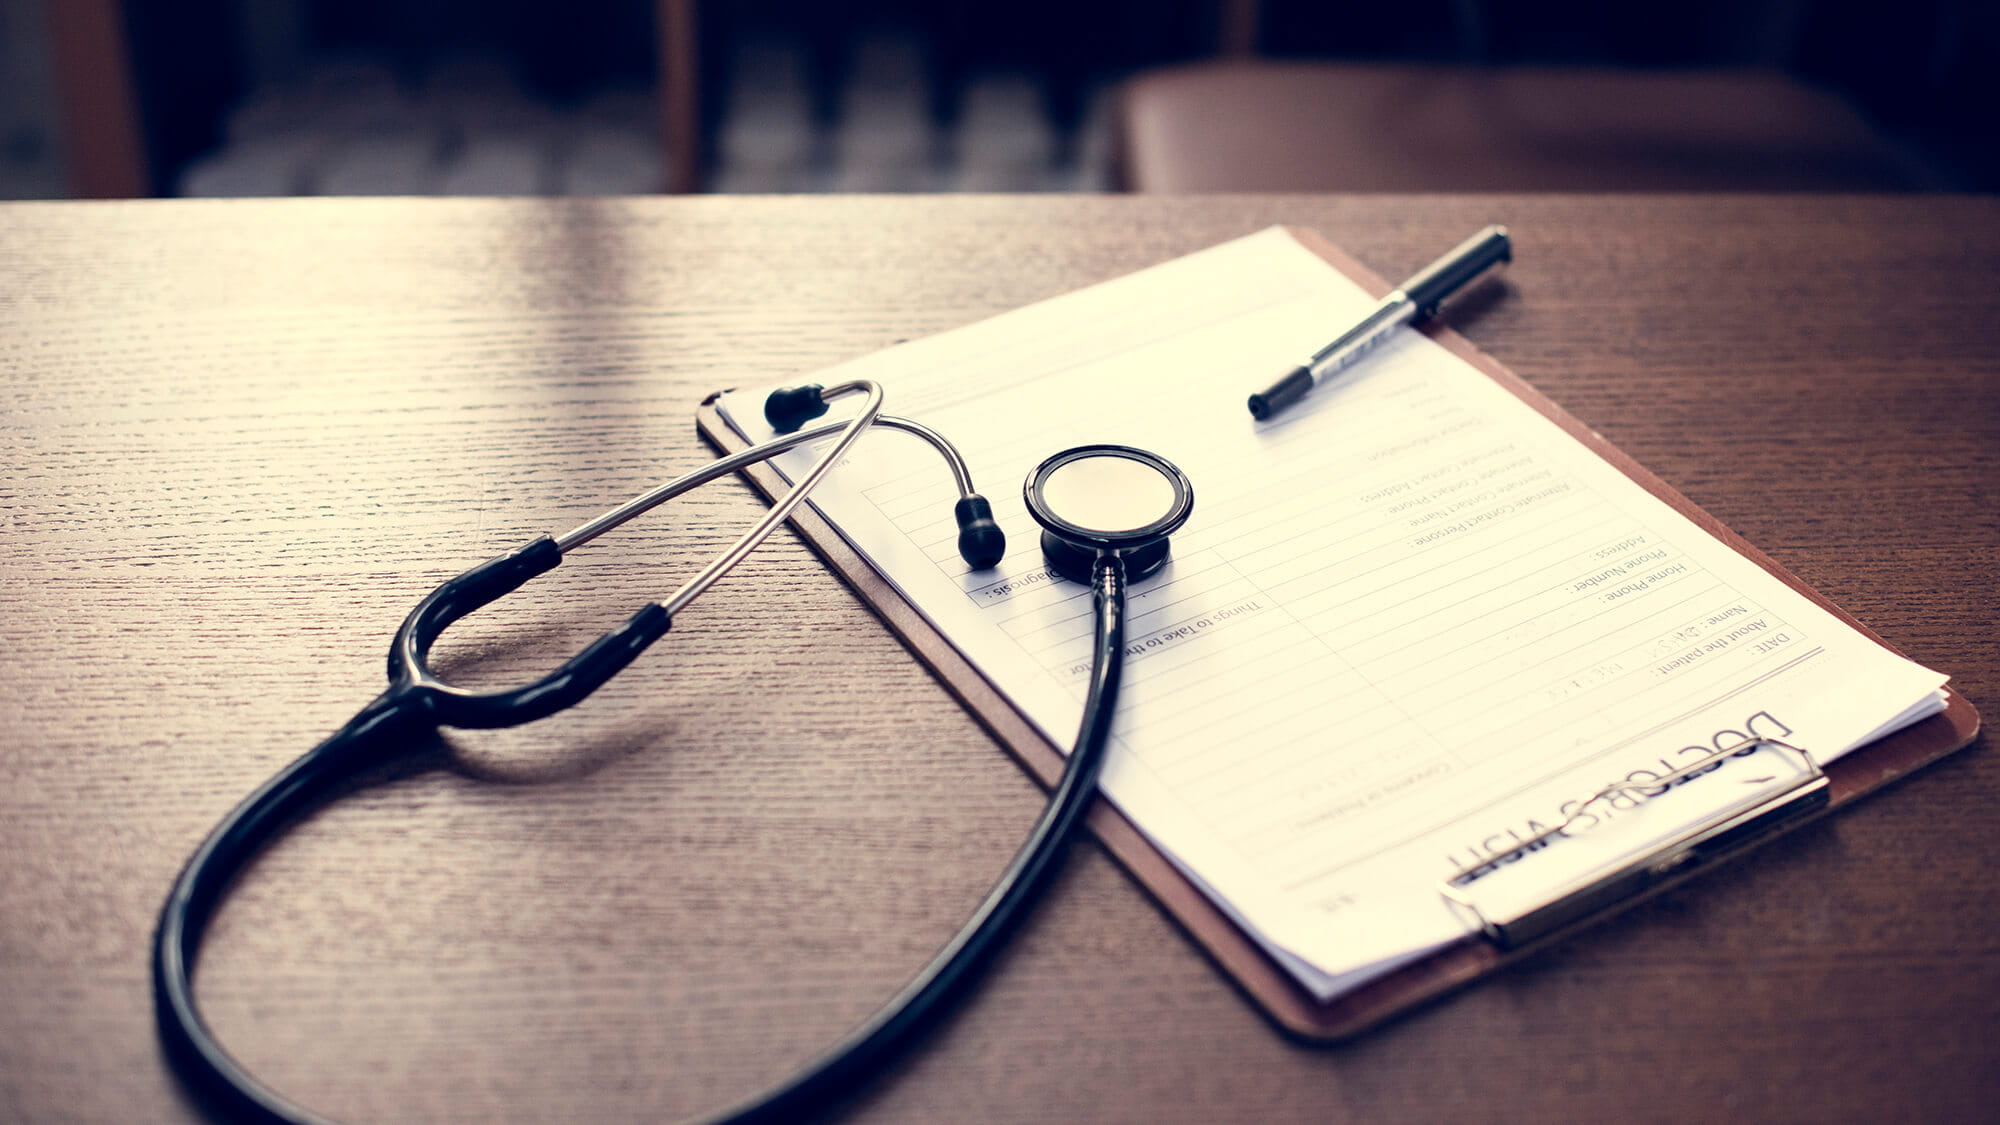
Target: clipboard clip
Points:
(1575, 869)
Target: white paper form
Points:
(1410, 622)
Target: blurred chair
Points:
(1247, 124)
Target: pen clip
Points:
(1439, 280)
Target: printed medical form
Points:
(1411, 623)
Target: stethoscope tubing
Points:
(646, 501)
(254, 822)
(722, 564)
(1012, 894)
(418, 703)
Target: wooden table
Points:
(240, 439)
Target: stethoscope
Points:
(1105, 511)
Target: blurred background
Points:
(110, 98)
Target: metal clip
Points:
(1515, 902)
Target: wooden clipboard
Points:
(1268, 985)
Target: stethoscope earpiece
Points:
(788, 408)
(1099, 500)
(981, 543)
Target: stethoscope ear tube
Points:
(409, 656)
(416, 703)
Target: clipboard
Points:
(1502, 940)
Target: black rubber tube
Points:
(857, 1056)
(383, 727)
(401, 714)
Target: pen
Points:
(1415, 300)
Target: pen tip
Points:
(1281, 394)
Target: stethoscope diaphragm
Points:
(1107, 499)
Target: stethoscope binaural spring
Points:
(1106, 512)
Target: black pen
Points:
(1417, 299)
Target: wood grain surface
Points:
(239, 439)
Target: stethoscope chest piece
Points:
(1095, 500)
